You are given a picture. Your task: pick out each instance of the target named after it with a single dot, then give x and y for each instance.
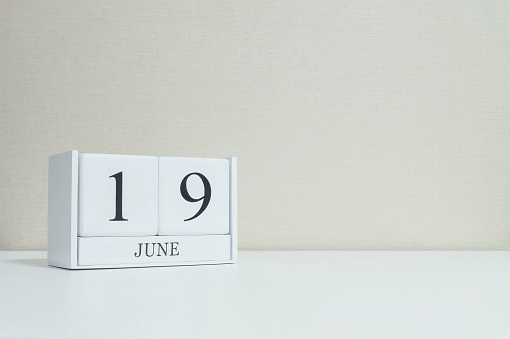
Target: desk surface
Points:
(267, 294)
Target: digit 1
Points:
(207, 193)
(118, 197)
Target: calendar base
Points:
(155, 249)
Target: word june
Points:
(161, 249)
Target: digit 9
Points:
(205, 198)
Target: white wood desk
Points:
(266, 295)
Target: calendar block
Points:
(118, 195)
(113, 211)
(158, 249)
(193, 196)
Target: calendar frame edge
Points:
(63, 210)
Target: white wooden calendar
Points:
(108, 211)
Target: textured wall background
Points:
(358, 124)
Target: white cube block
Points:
(193, 196)
(118, 195)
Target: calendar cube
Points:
(193, 196)
(118, 195)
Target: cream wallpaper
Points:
(357, 124)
